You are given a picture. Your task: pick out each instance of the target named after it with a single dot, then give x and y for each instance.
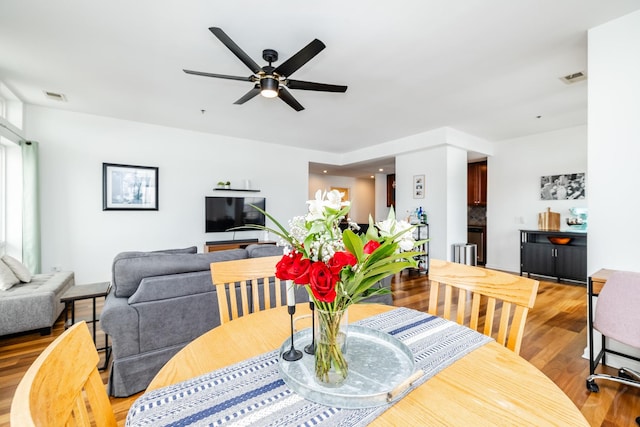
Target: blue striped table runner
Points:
(252, 392)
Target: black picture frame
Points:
(129, 187)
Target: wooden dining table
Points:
(491, 385)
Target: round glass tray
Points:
(379, 368)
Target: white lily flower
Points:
(386, 227)
(316, 207)
(334, 199)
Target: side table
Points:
(83, 292)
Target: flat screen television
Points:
(223, 213)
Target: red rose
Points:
(322, 282)
(371, 246)
(283, 267)
(293, 267)
(339, 260)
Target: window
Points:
(3, 212)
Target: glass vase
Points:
(330, 347)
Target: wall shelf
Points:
(236, 189)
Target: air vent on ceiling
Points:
(55, 96)
(574, 78)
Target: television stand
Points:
(222, 245)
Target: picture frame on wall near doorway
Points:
(345, 191)
(418, 186)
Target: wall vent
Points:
(55, 96)
(574, 78)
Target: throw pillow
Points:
(7, 278)
(18, 268)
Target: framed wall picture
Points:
(570, 186)
(418, 186)
(343, 190)
(127, 187)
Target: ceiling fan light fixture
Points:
(269, 87)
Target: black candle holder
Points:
(311, 348)
(292, 354)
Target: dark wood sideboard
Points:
(540, 256)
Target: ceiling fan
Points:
(271, 81)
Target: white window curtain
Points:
(31, 257)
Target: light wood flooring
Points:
(554, 341)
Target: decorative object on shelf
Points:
(221, 184)
(558, 240)
(549, 221)
(578, 218)
(130, 188)
(339, 268)
(418, 186)
(330, 339)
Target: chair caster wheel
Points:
(592, 386)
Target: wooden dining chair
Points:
(489, 292)
(63, 387)
(236, 277)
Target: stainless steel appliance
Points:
(476, 235)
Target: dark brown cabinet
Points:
(539, 256)
(477, 184)
(391, 189)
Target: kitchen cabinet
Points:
(538, 255)
(477, 183)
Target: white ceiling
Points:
(485, 67)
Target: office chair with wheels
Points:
(617, 318)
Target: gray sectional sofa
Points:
(161, 301)
(34, 305)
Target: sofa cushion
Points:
(18, 268)
(257, 251)
(129, 268)
(33, 305)
(189, 250)
(7, 278)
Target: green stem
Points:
(329, 359)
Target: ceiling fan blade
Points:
(221, 76)
(289, 99)
(298, 84)
(233, 47)
(247, 96)
(303, 56)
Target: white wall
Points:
(445, 171)
(381, 208)
(614, 144)
(78, 235)
(513, 194)
(614, 149)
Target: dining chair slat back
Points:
(63, 387)
(490, 292)
(245, 277)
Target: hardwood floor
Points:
(554, 341)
